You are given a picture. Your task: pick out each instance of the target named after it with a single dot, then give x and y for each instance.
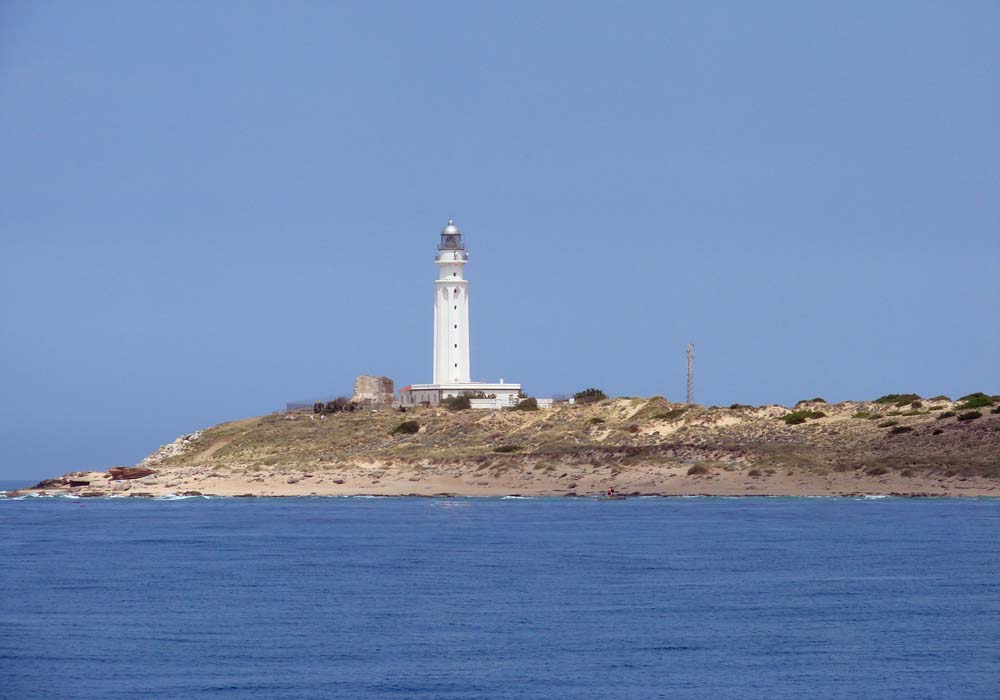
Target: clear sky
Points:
(207, 209)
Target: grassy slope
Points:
(621, 432)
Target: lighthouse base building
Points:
(481, 394)
(451, 337)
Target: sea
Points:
(467, 598)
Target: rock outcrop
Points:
(123, 473)
(178, 447)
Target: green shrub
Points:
(699, 470)
(996, 410)
(940, 397)
(866, 415)
(946, 414)
(634, 428)
(799, 417)
(898, 399)
(970, 415)
(876, 471)
(917, 404)
(901, 429)
(527, 405)
(977, 400)
(816, 400)
(596, 421)
(506, 448)
(457, 403)
(591, 395)
(739, 405)
(341, 403)
(408, 427)
(887, 423)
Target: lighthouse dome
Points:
(451, 237)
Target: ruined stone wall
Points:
(375, 391)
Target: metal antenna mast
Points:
(690, 383)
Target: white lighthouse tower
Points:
(451, 310)
(452, 373)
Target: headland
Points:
(897, 445)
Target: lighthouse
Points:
(451, 310)
(452, 374)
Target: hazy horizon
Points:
(210, 210)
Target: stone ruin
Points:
(373, 391)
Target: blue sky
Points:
(207, 209)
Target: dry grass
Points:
(597, 435)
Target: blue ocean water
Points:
(487, 598)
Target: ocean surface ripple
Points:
(487, 598)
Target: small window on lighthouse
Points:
(456, 325)
(456, 309)
(456, 364)
(456, 345)
(454, 274)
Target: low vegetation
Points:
(900, 429)
(977, 400)
(591, 395)
(799, 417)
(969, 415)
(898, 400)
(457, 403)
(591, 439)
(409, 427)
(527, 405)
(341, 403)
(946, 414)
